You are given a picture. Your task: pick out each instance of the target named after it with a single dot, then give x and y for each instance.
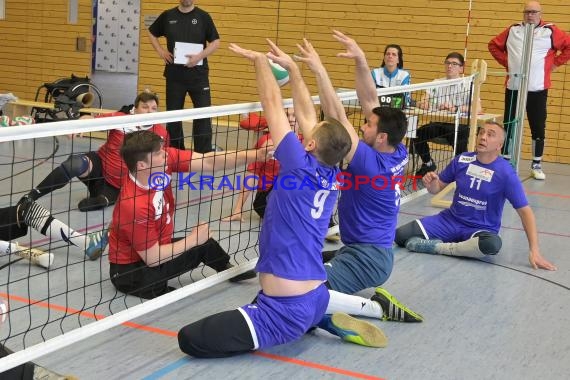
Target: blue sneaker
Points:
(354, 330)
(96, 244)
(417, 244)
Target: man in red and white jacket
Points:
(551, 48)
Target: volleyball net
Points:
(68, 297)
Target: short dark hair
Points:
(393, 122)
(332, 141)
(400, 55)
(145, 96)
(457, 56)
(137, 146)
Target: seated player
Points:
(14, 223)
(143, 254)
(452, 98)
(470, 227)
(293, 297)
(100, 171)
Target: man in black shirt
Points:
(186, 23)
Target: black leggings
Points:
(217, 336)
(535, 112)
(140, 280)
(444, 130)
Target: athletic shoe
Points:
(417, 244)
(93, 203)
(34, 255)
(96, 243)
(425, 168)
(393, 309)
(537, 173)
(358, 331)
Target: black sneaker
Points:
(93, 203)
(393, 309)
(424, 169)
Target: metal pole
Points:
(522, 93)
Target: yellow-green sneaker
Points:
(357, 331)
(393, 309)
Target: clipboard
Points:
(181, 49)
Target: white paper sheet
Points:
(181, 49)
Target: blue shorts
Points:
(446, 228)
(277, 320)
(359, 266)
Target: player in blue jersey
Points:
(367, 216)
(470, 227)
(293, 297)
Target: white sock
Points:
(6, 247)
(353, 305)
(61, 231)
(41, 220)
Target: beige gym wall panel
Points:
(39, 45)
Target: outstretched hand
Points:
(279, 56)
(308, 55)
(353, 51)
(538, 262)
(249, 54)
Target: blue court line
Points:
(169, 368)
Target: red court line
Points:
(553, 195)
(304, 363)
(169, 333)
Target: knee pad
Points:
(407, 231)
(75, 165)
(489, 244)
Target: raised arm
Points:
(330, 103)
(304, 109)
(529, 224)
(214, 161)
(269, 93)
(365, 87)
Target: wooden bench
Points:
(24, 108)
